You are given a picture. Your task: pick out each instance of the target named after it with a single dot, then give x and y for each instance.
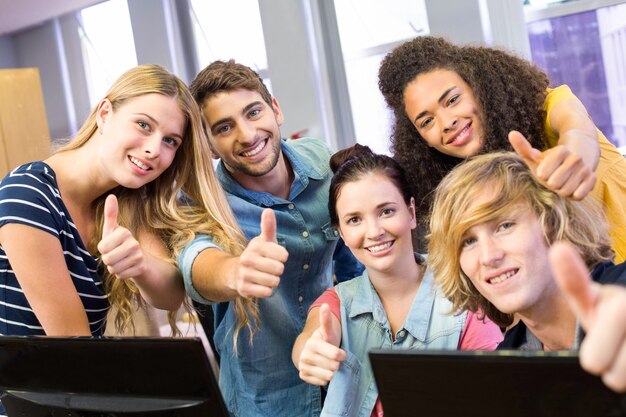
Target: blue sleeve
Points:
(345, 264)
(185, 262)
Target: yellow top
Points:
(610, 188)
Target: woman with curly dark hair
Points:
(452, 102)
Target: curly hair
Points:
(510, 93)
(580, 222)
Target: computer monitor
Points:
(89, 377)
(490, 384)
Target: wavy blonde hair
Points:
(155, 207)
(580, 222)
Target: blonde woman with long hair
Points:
(99, 222)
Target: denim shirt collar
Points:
(302, 173)
(367, 301)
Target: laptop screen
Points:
(500, 383)
(116, 376)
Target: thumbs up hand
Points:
(268, 226)
(321, 355)
(600, 309)
(559, 168)
(119, 250)
(262, 262)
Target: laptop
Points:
(76, 377)
(486, 384)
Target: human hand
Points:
(119, 249)
(559, 168)
(262, 262)
(600, 309)
(321, 356)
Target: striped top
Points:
(29, 195)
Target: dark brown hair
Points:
(226, 76)
(350, 164)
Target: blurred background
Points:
(319, 57)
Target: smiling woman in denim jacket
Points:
(394, 304)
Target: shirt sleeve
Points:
(331, 298)
(479, 334)
(345, 264)
(26, 199)
(554, 96)
(185, 263)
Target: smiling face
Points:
(506, 258)
(375, 222)
(444, 111)
(244, 132)
(139, 138)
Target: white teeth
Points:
(461, 134)
(502, 277)
(379, 248)
(256, 150)
(139, 163)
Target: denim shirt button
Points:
(291, 206)
(401, 333)
(300, 298)
(305, 234)
(305, 266)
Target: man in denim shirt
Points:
(259, 170)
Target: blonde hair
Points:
(581, 223)
(155, 207)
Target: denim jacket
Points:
(364, 326)
(261, 380)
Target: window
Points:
(108, 48)
(218, 37)
(369, 29)
(585, 48)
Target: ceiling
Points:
(19, 14)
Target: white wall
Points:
(291, 66)
(299, 70)
(41, 47)
(489, 22)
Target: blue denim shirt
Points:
(364, 326)
(261, 380)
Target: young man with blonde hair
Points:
(503, 243)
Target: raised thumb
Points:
(110, 215)
(326, 322)
(268, 226)
(523, 148)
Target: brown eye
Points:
(454, 99)
(425, 122)
(468, 242)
